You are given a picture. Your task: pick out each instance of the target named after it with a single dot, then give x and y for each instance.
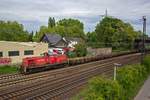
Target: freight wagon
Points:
(47, 61)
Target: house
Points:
(72, 41)
(57, 41)
(54, 40)
(16, 51)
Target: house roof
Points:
(73, 39)
(55, 38)
(52, 38)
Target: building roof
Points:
(30, 44)
(52, 38)
(69, 39)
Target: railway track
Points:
(44, 75)
(10, 76)
(22, 79)
(44, 85)
(65, 79)
(60, 93)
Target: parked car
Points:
(53, 51)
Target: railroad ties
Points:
(60, 84)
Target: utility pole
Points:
(143, 37)
(106, 13)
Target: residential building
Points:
(72, 41)
(54, 40)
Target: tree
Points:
(115, 33)
(43, 30)
(64, 27)
(51, 22)
(80, 50)
(31, 36)
(13, 31)
(92, 39)
(72, 27)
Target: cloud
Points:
(37, 12)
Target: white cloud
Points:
(88, 11)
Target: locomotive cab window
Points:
(13, 53)
(28, 52)
(1, 54)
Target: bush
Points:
(71, 54)
(80, 50)
(108, 89)
(100, 88)
(129, 80)
(146, 63)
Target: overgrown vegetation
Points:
(113, 32)
(13, 31)
(80, 51)
(109, 32)
(129, 80)
(100, 88)
(8, 69)
(65, 27)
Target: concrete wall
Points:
(38, 48)
(99, 51)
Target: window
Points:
(1, 54)
(13, 53)
(28, 52)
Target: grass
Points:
(8, 69)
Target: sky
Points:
(35, 13)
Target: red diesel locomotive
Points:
(46, 61)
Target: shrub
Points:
(71, 54)
(129, 80)
(100, 88)
(108, 89)
(80, 50)
(146, 63)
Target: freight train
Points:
(30, 64)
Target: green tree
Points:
(115, 33)
(91, 38)
(51, 22)
(31, 36)
(13, 31)
(64, 27)
(43, 30)
(72, 27)
(80, 49)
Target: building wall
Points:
(99, 51)
(61, 44)
(38, 48)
